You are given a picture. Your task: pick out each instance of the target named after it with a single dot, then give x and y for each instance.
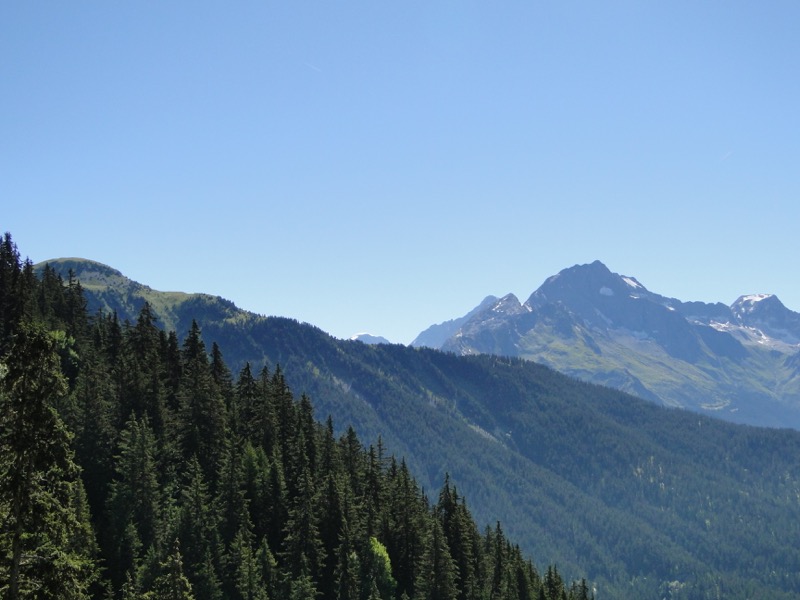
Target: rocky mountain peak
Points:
(585, 283)
(756, 304)
(766, 313)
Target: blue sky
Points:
(376, 166)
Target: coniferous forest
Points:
(134, 465)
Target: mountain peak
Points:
(368, 338)
(752, 302)
(84, 269)
(766, 313)
(585, 281)
(436, 335)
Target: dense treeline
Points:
(135, 465)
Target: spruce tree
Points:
(173, 584)
(45, 543)
(459, 530)
(134, 499)
(347, 572)
(198, 531)
(202, 413)
(10, 301)
(303, 550)
(438, 573)
(248, 574)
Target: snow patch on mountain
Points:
(632, 282)
(748, 303)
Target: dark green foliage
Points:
(172, 584)
(202, 412)
(46, 542)
(11, 300)
(134, 500)
(438, 572)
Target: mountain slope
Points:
(633, 496)
(734, 361)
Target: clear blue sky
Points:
(381, 166)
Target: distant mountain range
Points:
(738, 362)
(644, 501)
(368, 338)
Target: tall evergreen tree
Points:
(405, 529)
(202, 417)
(553, 585)
(331, 524)
(198, 531)
(173, 584)
(248, 575)
(348, 567)
(95, 434)
(45, 549)
(497, 552)
(221, 375)
(11, 304)
(303, 551)
(134, 499)
(438, 573)
(231, 500)
(269, 569)
(459, 531)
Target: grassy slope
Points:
(746, 391)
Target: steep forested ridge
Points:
(137, 465)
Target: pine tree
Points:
(347, 572)
(45, 543)
(134, 499)
(553, 585)
(302, 588)
(95, 434)
(50, 299)
(173, 584)
(303, 550)
(269, 569)
(11, 304)
(141, 374)
(243, 410)
(459, 530)
(221, 375)
(332, 520)
(173, 369)
(198, 531)
(75, 308)
(264, 429)
(203, 416)
(405, 528)
(231, 501)
(497, 551)
(248, 575)
(437, 578)
(580, 591)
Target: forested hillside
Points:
(643, 501)
(136, 465)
